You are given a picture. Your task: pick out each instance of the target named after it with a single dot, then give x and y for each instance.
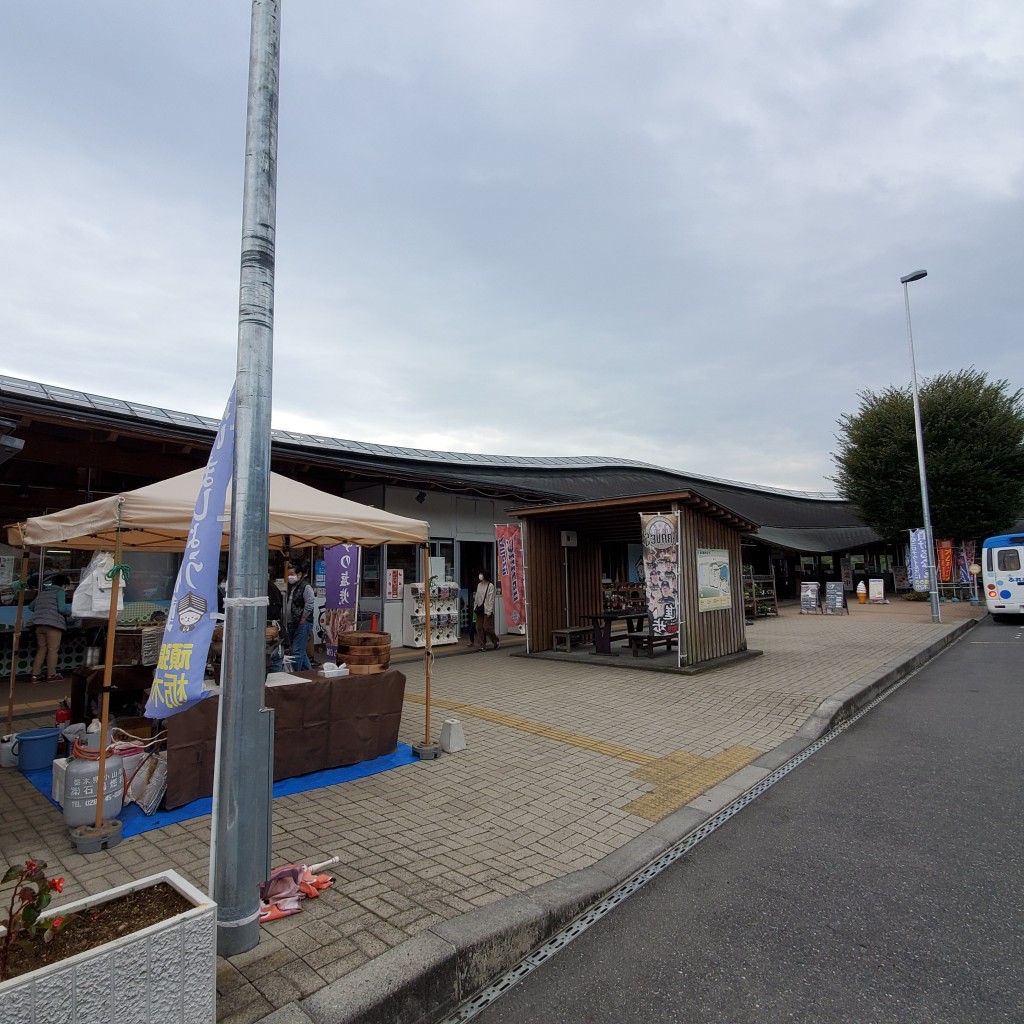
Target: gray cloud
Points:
(671, 233)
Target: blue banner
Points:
(919, 561)
(181, 666)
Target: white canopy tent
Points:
(158, 518)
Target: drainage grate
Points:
(468, 1010)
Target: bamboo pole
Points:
(15, 640)
(108, 674)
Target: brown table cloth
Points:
(320, 723)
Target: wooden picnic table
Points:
(603, 622)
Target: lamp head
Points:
(914, 276)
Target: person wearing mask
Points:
(299, 607)
(48, 611)
(483, 605)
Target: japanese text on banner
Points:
(181, 664)
(510, 569)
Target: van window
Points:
(1008, 560)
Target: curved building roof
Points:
(801, 520)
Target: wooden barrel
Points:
(364, 652)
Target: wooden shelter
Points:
(564, 583)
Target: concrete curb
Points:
(431, 973)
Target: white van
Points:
(1002, 574)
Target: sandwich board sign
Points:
(810, 598)
(835, 598)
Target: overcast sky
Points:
(666, 231)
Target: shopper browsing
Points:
(48, 617)
(483, 605)
(299, 604)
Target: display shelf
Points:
(444, 615)
(759, 596)
(624, 597)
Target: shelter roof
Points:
(617, 518)
(818, 541)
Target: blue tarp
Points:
(134, 821)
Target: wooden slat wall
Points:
(708, 635)
(716, 633)
(546, 582)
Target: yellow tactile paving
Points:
(678, 777)
(524, 725)
(682, 777)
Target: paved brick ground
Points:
(566, 762)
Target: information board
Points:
(810, 598)
(876, 591)
(835, 598)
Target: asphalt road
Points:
(880, 881)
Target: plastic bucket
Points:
(36, 749)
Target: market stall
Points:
(318, 724)
(158, 518)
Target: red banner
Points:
(944, 550)
(510, 572)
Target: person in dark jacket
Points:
(299, 605)
(48, 617)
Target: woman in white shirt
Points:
(483, 603)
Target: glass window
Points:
(370, 571)
(444, 549)
(405, 557)
(1008, 560)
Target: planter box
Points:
(166, 972)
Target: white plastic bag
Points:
(91, 599)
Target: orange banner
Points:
(944, 550)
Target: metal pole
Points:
(241, 832)
(15, 640)
(933, 583)
(428, 653)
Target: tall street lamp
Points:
(933, 582)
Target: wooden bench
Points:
(569, 636)
(638, 641)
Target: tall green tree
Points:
(974, 454)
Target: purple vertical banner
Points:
(181, 664)
(341, 593)
(919, 563)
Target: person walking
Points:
(299, 605)
(48, 611)
(483, 605)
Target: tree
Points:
(974, 454)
